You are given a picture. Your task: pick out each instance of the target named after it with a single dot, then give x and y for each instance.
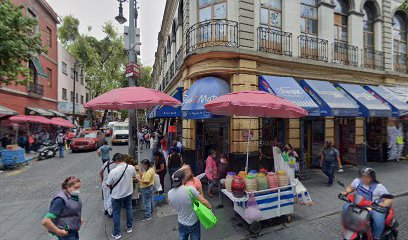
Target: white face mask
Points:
(75, 193)
(222, 160)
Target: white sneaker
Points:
(146, 219)
(129, 230)
(116, 237)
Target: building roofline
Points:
(49, 10)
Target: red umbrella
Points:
(30, 118)
(62, 122)
(254, 104)
(131, 98)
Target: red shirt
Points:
(163, 143)
(211, 168)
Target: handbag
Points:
(157, 185)
(204, 214)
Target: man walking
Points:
(120, 181)
(179, 198)
(61, 144)
(107, 167)
(104, 152)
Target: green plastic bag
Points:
(204, 214)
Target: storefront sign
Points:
(132, 69)
(172, 129)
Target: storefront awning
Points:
(398, 107)
(56, 113)
(369, 105)
(288, 88)
(39, 67)
(201, 92)
(401, 92)
(38, 111)
(7, 111)
(168, 111)
(331, 101)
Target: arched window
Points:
(368, 25)
(308, 13)
(212, 9)
(180, 13)
(271, 13)
(400, 41)
(341, 21)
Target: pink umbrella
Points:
(131, 98)
(30, 118)
(62, 122)
(254, 104)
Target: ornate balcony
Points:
(345, 54)
(35, 88)
(215, 32)
(274, 41)
(400, 62)
(372, 59)
(172, 71)
(313, 48)
(179, 57)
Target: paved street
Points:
(25, 195)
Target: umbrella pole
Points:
(248, 136)
(137, 136)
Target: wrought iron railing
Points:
(172, 71)
(345, 54)
(313, 48)
(372, 59)
(274, 41)
(215, 32)
(400, 62)
(167, 78)
(35, 88)
(179, 57)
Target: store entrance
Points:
(376, 138)
(345, 140)
(312, 140)
(211, 134)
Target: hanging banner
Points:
(172, 129)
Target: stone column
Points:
(325, 27)
(387, 34)
(329, 129)
(355, 32)
(294, 133)
(290, 23)
(378, 35)
(189, 126)
(246, 27)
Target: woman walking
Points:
(64, 216)
(330, 161)
(211, 172)
(161, 168)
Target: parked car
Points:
(88, 140)
(120, 133)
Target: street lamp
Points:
(77, 63)
(120, 18)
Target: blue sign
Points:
(398, 108)
(288, 88)
(201, 92)
(332, 102)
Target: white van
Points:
(120, 133)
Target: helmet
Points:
(368, 172)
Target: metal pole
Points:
(73, 95)
(132, 80)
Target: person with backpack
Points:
(107, 167)
(61, 144)
(174, 163)
(120, 182)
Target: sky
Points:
(95, 12)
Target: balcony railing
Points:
(372, 59)
(35, 88)
(179, 57)
(171, 70)
(274, 41)
(345, 54)
(313, 48)
(400, 62)
(215, 32)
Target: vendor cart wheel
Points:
(289, 218)
(255, 227)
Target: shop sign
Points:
(172, 129)
(202, 99)
(132, 69)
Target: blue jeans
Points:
(147, 201)
(72, 235)
(378, 222)
(329, 169)
(117, 206)
(194, 231)
(61, 150)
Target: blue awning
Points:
(331, 101)
(168, 111)
(398, 107)
(401, 92)
(288, 88)
(201, 92)
(369, 105)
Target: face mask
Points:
(222, 160)
(75, 193)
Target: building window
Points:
(82, 99)
(64, 68)
(72, 96)
(87, 97)
(64, 94)
(341, 21)
(49, 74)
(73, 73)
(400, 41)
(76, 98)
(212, 9)
(33, 72)
(309, 17)
(82, 79)
(31, 13)
(368, 22)
(48, 37)
(271, 14)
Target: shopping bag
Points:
(400, 140)
(204, 214)
(252, 212)
(157, 186)
(292, 162)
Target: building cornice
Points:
(20, 93)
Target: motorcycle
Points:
(47, 150)
(357, 219)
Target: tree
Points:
(18, 43)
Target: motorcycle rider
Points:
(368, 187)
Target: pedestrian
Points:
(211, 172)
(104, 152)
(120, 181)
(180, 199)
(330, 161)
(165, 146)
(146, 187)
(175, 162)
(152, 147)
(191, 180)
(61, 144)
(161, 168)
(141, 138)
(179, 145)
(64, 215)
(106, 168)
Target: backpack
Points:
(60, 139)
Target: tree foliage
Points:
(18, 43)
